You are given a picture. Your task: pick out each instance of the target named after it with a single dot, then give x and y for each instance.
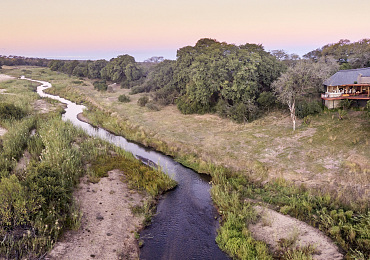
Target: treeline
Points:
(216, 77)
(20, 60)
(348, 55)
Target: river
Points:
(186, 222)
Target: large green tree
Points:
(121, 69)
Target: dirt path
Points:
(107, 226)
(274, 226)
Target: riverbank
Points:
(108, 226)
(42, 159)
(209, 144)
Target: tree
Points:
(306, 76)
(94, 68)
(155, 59)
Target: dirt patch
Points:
(4, 77)
(23, 162)
(3, 131)
(107, 226)
(274, 226)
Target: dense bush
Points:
(304, 108)
(240, 112)
(368, 108)
(142, 101)
(100, 85)
(266, 100)
(10, 111)
(124, 99)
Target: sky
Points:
(104, 29)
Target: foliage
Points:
(368, 108)
(142, 101)
(349, 55)
(305, 77)
(139, 176)
(124, 98)
(121, 69)
(345, 104)
(100, 85)
(305, 108)
(266, 100)
(10, 111)
(94, 69)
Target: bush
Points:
(240, 112)
(304, 108)
(266, 100)
(10, 111)
(345, 104)
(368, 108)
(152, 106)
(143, 101)
(100, 85)
(124, 99)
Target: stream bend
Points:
(185, 225)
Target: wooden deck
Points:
(346, 96)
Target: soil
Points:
(273, 226)
(3, 131)
(108, 226)
(4, 77)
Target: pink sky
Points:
(144, 28)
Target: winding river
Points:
(185, 224)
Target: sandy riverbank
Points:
(107, 227)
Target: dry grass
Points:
(327, 154)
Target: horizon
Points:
(90, 29)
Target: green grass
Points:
(37, 203)
(323, 153)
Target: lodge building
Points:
(347, 84)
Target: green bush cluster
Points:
(142, 101)
(100, 85)
(37, 203)
(10, 111)
(306, 108)
(124, 99)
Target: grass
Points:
(36, 201)
(264, 160)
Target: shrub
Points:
(368, 108)
(143, 101)
(266, 100)
(152, 106)
(345, 104)
(100, 85)
(10, 111)
(304, 108)
(124, 99)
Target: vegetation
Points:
(143, 101)
(257, 155)
(304, 77)
(349, 55)
(36, 198)
(124, 99)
